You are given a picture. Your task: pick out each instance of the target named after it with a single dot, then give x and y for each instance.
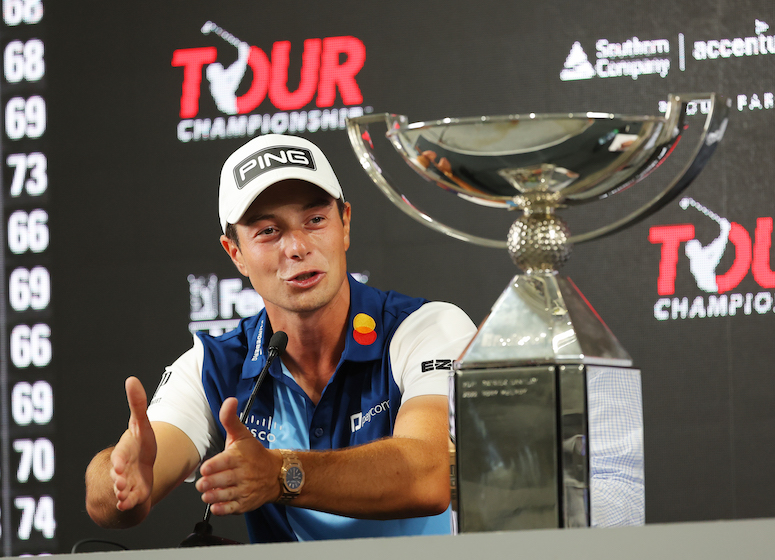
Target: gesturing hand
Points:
(245, 475)
(133, 457)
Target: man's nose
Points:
(297, 244)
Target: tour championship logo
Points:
(250, 87)
(720, 285)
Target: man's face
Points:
(292, 246)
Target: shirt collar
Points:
(258, 349)
(364, 341)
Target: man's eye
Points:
(266, 231)
(317, 219)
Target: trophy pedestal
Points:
(531, 454)
(547, 417)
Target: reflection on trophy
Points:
(545, 408)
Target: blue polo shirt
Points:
(358, 405)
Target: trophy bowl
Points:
(538, 163)
(545, 406)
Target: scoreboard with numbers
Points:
(27, 380)
(116, 118)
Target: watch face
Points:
(293, 478)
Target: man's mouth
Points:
(305, 276)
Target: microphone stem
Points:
(273, 353)
(270, 358)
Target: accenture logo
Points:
(723, 299)
(633, 58)
(329, 67)
(758, 44)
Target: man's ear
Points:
(346, 217)
(234, 254)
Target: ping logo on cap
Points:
(269, 159)
(363, 329)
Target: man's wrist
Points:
(291, 477)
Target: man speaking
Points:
(348, 436)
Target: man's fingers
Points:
(217, 478)
(119, 459)
(216, 464)
(224, 508)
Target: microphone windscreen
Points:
(278, 341)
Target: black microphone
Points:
(203, 531)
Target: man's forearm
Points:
(101, 497)
(391, 478)
(406, 475)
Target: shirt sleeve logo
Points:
(164, 378)
(363, 329)
(431, 365)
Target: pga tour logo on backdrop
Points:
(718, 294)
(329, 66)
(217, 305)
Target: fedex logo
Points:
(750, 255)
(328, 65)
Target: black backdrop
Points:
(132, 214)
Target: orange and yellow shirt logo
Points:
(363, 329)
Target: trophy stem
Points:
(538, 241)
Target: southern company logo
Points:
(704, 261)
(329, 65)
(631, 58)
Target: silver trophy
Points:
(545, 407)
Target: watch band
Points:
(291, 477)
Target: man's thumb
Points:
(228, 415)
(136, 397)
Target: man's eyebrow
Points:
(250, 220)
(321, 202)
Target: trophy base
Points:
(548, 446)
(546, 416)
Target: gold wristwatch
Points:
(291, 477)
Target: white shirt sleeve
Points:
(424, 346)
(180, 400)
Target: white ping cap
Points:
(267, 160)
